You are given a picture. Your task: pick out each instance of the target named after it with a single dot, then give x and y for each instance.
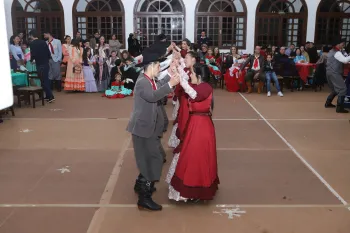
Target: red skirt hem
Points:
(202, 193)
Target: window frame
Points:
(144, 14)
(328, 16)
(99, 15)
(26, 15)
(271, 15)
(221, 15)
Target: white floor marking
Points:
(214, 119)
(64, 170)
(231, 212)
(56, 110)
(106, 197)
(302, 159)
(25, 131)
(223, 206)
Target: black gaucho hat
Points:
(338, 40)
(149, 56)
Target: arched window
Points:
(224, 22)
(42, 15)
(333, 19)
(281, 22)
(103, 16)
(153, 17)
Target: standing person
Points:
(203, 39)
(55, 48)
(334, 72)
(74, 77)
(115, 45)
(134, 45)
(102, 74)
(146, 126)
(183, 110)
(40, 54)
(16, 52)
(88, 68)
(193, 173)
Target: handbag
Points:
(77, 69)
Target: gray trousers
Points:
(55, 70)
(336, 84)
(149, 152)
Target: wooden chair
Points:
(29, 92)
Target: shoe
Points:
(340, 105)
(249, 85)
(145, 201)
(268, 94)
(139, 182)
(51, 100)
(280, 94)
(46, 99)
(260, 87)
(329, 105)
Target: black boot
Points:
(329, 105)
(145, 201)
(141, 181)
(340, 105)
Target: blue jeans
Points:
(272, 75)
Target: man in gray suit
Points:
(146, 126)
(334, 72)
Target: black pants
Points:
(43, 72)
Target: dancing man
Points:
(146, 126)
(335, 67)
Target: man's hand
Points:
(175, 79)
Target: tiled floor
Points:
(69, 167)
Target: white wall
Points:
(190, 6)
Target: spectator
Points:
(290, 52)
(203, 39)
(304, 53)
(271, 74)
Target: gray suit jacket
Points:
(143, 119)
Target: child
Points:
(88, 60)
(270, 74)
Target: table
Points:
(304, 70)
(19, 79)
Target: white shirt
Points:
(340, 57)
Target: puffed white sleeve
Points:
(185, 85)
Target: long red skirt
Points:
(196, 171)
(233, 83)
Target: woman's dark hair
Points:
(65, 38)
(85, 55)
(12, 38)
(216, 55)
(299, 52)
(114, 35)
(76, 43)
(203, 73)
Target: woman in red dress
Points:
(182, 97)
(193, 172)
(234, 82)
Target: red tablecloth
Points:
(346, 69)
(303, 70)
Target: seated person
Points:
(299, 58)
(270, 74)
(212, 63)
(255, 70)
(284, 61)
(130, 73)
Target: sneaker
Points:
(280, 94)
(268, 94)
(51, 100)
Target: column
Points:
(68, 17)
(190, 9)
(312, 6)
(129, 19)
(8, 10)
(251, 15)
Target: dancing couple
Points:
(193, 173)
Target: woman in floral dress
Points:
(74, 76)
